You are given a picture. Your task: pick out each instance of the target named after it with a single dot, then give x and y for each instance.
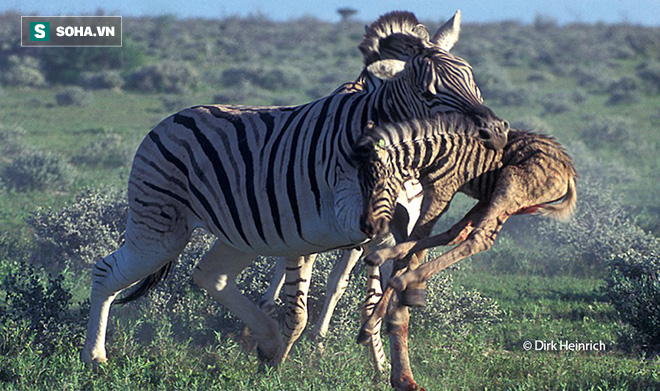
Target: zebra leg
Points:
(267, 302)
(375, 313)
(216, 272)
(336, 286)
(372, 337)
(398, 317)
(296, 287)
(110, 276)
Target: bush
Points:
(624, 90)
(74, 96)
(599, 230)
(37, 170)
(174, 103)
(101, 80)
(106, 150)
(40, 305)
(454, 310)
(633, 286)
(82, 233)
(511, 96)
(650, 74)
(557, 103)
(11, 141)
(165, 76)
(23, 71)
(269, 78)
(609, 132)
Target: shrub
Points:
(82, 233)
(510, 96)
(74, 96)
(556, 103)
(173, 103)
(599, 230)
(101, 80)
(11, 141)
(37, 170)
(23, 71)
(633, 286)
(624, 90)
(597, 78)
(41, 304)
(455, 310)
(650, 73)
(612, 132)
(269, 78)
(165, 76)
(107, 149)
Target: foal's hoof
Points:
(414, 297)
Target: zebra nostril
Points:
(484, 134)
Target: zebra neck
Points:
(396, 101)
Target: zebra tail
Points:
(564, 209)
(146, 284)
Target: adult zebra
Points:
(268, 181)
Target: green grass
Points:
(473, 357)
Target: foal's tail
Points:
(564, 209)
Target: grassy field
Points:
(476, 357)
(541, 281)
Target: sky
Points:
(646, 12)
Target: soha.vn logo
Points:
(39, 31)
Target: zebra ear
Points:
(387, 69)
(447, 35)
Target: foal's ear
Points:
(387, 69)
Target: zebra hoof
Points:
(414, 297)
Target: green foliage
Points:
(624, 90)
(649, 72)
(82, 233)
(106, 79)
(601, 133)
(42, 305)
(599, 230)
(165, 76)
(37, 170)
(74, 96)
(106, 150)
(454, 311)
(23, 71)
(633, 286)
(268, 78)
(11, 141)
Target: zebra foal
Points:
(274, 181)
(531, 174)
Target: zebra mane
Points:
(391, 135)
(392, 35)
